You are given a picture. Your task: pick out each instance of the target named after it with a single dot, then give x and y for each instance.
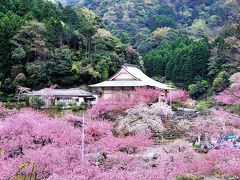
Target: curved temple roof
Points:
(141, 79)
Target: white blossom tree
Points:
(20, 91)
(144, 118)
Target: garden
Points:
(125, 138)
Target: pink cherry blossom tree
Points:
(232, 94)
(30, 138)
(217, 124)
(120, 103)
(4, 112)
(54, 145)
(178, 95)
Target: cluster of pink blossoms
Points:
(232, 94)
(53, 146)
(120, 103)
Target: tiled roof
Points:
(61, 92)
(143, 80)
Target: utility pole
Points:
(83, 128)
(170, 102)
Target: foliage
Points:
(83, 106)
(58, 107)
(134, 22)
(47, 43)
(21, 92)
(225, 53)
(198, 89)
(202, 106)
(4, 112)
(30, 137)
(221, 82)
(216, 124)
(37, 103)
(180, 60)
(192, 43)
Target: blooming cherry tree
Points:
(119, 104)
(178, 95)
(142, 118)
(54, 145)
(232, 94)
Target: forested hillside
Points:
(194, 44)
(42, 43)
(138, 21)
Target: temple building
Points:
(126, 80)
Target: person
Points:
(227, 144)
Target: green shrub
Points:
(197, 90)
(204, 84)
(1, 94)
(74, 107)
(10, 105)
(21, 105)
(176, 105)
(25, 99)
(221, 81)
(234, 109)
(189, 177)
(37, 103)
(83, 106)
(58, 107)
(196, 146)
(202, 106)
(10, 98)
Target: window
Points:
(117, 91)
(126, 92)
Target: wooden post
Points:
(83, 124)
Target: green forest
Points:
(42, 43)
(192, 44)
(187, 43)
(140, 22)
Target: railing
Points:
(19, 176)
(167, 137)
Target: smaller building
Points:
(65, 97)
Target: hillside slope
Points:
(42, 43)
(135, 21)
(191, 43)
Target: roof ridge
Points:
(131, 65)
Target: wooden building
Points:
(126, 80)
(65, 97)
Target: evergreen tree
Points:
(200, 56)
(169, 68)
(43, 43)
(176, 73)
(157, 65)
(187, 72)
